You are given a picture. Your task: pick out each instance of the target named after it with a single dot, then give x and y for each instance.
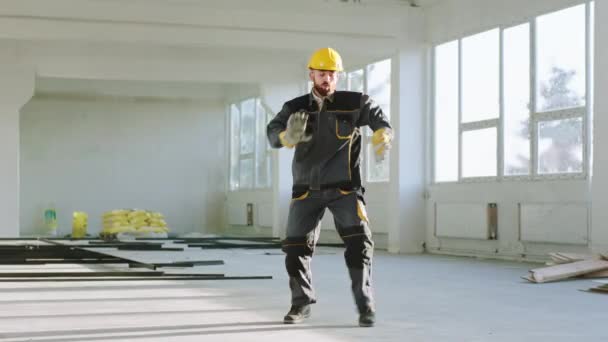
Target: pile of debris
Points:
(571, 265)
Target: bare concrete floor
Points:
(419, 298)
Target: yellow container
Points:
(50, 220)
(79, 224)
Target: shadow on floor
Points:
(104, 288)
(107, 299)
(161, 331)
(130, 313)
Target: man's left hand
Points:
(381, 142)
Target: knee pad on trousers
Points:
(298, 252)
(359, 246)
(297, 246)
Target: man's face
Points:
(324, 81)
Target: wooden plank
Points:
(597, 290)
(569, 270)
(558, 259)
(597, 274)
(577, 256)
(528, 278)
(600, 288)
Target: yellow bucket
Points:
(79, 224)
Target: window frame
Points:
(583, 112)
(266, 116)
(252, 155)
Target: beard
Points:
(324, 89)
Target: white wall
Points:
(599, 230)
(456, 19)
(236, 208)
(16, 88)
(100, 154)
(9, 172)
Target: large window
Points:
(250, 157)
(513, 101)
(446, 112)
(516, 94)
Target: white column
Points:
(407, 170)
(281, 195)
(16, 88)
(599, 181)
(275, 96)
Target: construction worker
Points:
(324, 127)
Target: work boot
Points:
(367, 319)
(297, 314)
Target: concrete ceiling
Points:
(187, 40)
(418, 3)
(311, 4)
(191, 43)
(140, 90)
(428, 3)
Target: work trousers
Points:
(303, 225)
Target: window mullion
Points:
(570, 113)
(532, 118)
(500, 153)
(228, 129)
(256, 142)
(239, 140)
(238, 146)
(475, 125)
(364, 134)
(459, 109)
(588, 90)
(433, 140)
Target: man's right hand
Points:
(296, 130)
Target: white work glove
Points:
(381, 143)
(296, 129)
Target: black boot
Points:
(367, 319)
(297, 314)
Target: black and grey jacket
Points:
(332, 158)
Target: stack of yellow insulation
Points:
(133, 221)
(116, 221)
(156, 223)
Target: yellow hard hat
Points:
(326, 59)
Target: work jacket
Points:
(332, 158)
